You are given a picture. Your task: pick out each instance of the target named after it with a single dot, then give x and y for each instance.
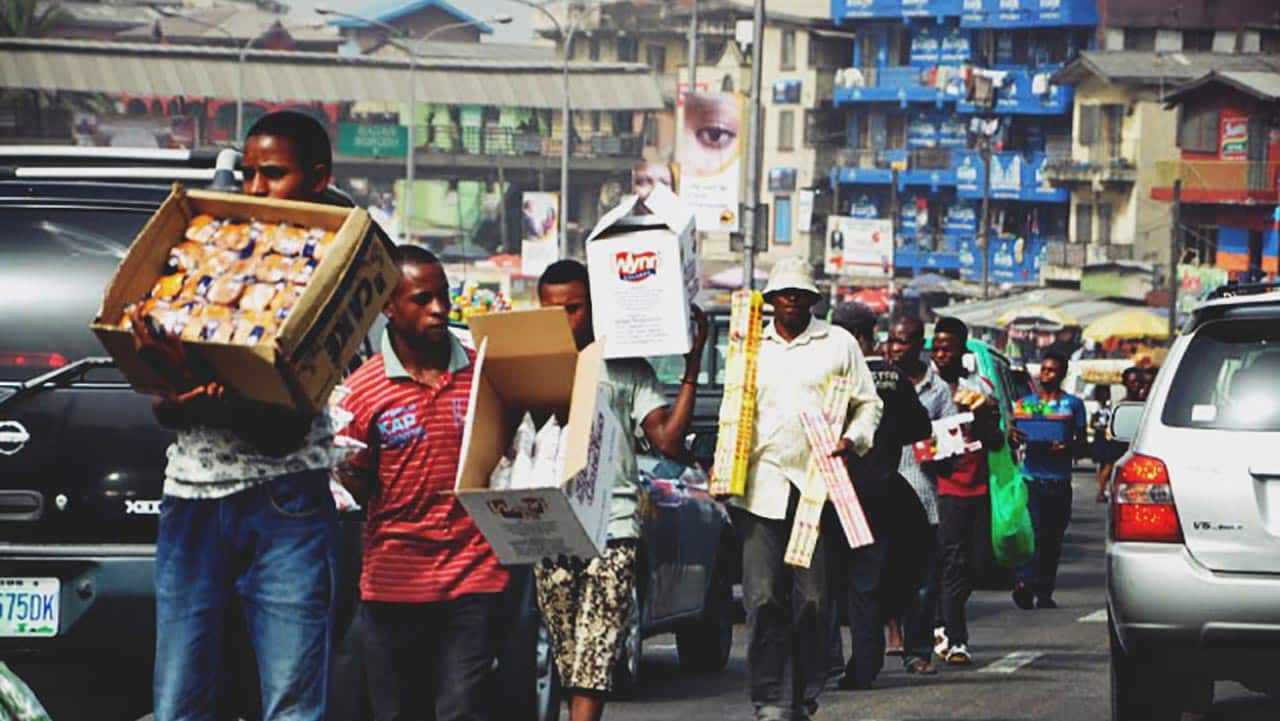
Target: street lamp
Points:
(244, 51)
(564, 111)
(405, 37)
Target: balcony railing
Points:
(1078, 255)
(1230, 179)
(1102, 163)
(510, 141)
(917, 166)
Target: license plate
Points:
(29, 606)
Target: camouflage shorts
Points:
(585, 606)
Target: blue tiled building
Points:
(908, 98)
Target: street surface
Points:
(1032, 665)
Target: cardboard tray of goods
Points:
(320, 332)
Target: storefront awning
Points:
(190, 71)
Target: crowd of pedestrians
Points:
(248, 520)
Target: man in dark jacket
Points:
(880, 578)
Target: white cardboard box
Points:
(527, 361)
(644, 274)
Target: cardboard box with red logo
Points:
(526, 361)
(644, 274)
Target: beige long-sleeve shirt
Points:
(793, 377)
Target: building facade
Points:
(922, 72)
(1228, 175)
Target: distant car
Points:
(1193, 543)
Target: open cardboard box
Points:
(318, 339)
(644, 274)
(527, 361)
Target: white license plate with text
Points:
(29, 606)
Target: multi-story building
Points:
(801, 53)
(1228, 176)
(1124, 133)
(922, 71)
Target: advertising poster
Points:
(1234, 137)
(858, 246)
(710, 156)
(539, 242)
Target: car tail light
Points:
(1142, 502)
(32, 360)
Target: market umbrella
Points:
(1038, 317)
(929, 281)
(875, 299)
(1128, 324)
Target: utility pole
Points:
(693, 46)
(984, 230)
(751, 211)
(1175, 246)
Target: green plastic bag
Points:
(1012, 538)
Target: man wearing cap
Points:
(787, 607)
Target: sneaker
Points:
(940, 641)
(1047, 603)
(1022, 597)
(958, 655)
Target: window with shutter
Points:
(1084, 223)
(1089, 117)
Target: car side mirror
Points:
(1125, 419)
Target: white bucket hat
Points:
(791, 273)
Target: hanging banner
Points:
(858, 246)
(539, 241)
(709, 152)
(804, 211)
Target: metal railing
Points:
(882, 158)
(1224, 176)
(1103, 161)
(489, 141)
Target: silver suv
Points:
(1193, 544)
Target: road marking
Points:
(1012, 662)
(1099, 616)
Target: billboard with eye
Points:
(709, 152)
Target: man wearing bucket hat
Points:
(787, 606)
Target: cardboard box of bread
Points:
(537, 493)
(273, 297)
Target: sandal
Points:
(921, 667)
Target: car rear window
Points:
(55, 263)
(1228, 379)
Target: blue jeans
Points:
(1049, 503)
(274, 548)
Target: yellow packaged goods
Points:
(276, 327)
(738, 404)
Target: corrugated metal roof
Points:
(319, 77)
(1152, 68)
(1261, 85)
(388, 11)
(1082, 307)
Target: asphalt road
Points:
(1033, 665)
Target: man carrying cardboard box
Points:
(585, 605)
(430, 583)
(787, 606)
(247, 510)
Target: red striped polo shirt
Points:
(420, 545)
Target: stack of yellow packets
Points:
(804, 530)
(738, 405)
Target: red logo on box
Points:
(635, 267)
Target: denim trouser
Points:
(787, 624)
(866, 612)
(1049, 503)
(430, 660)
(272, 547)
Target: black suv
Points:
(81, 456)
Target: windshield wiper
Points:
(55, 378)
